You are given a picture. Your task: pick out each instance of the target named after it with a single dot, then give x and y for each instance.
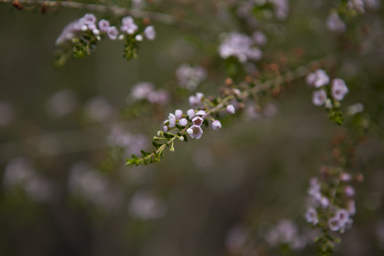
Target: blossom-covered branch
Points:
(210, 108)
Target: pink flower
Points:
(349, 191)
(195, 132)
(231, 109)
(150, 33)
(191, 113)
(129, 25)
(103, 25)
(334, 224)
(339, 89)
(178, 114)
(112, 33)
(343, 216)
(311, 216)
(88, 19)
(317, 79)
(319, 97)
(216, 125)
(198, 121)
(183, 122)
(201, 113)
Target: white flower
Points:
(139, 38)
(172, 120)
(191, 113)
(178, 114)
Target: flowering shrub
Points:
(239, 65)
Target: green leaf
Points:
(155, 145)
(168, 135)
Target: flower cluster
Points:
(286, 233)
(241, 47)
(87, 183)
(19, 172)
(130, 143)
(193, 119)
(334, 23)
(245, 9)
(85, 32)
(146, 91)
(183, 124)
(351, 8)
(319, 79)
(330, 96)
(331, 205)
(190, 77)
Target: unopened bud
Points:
(18, 5)
(228, 81)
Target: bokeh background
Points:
(65, 191)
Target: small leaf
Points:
(155, 145)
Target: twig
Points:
(116, 10)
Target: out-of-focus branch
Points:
(116, 10)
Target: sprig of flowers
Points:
(331, 204)
(328, 95)
(81, 36)
(180, 124)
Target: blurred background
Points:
(64, 188)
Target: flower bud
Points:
(216, 125)
(230, 109)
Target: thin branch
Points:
(116, 10)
